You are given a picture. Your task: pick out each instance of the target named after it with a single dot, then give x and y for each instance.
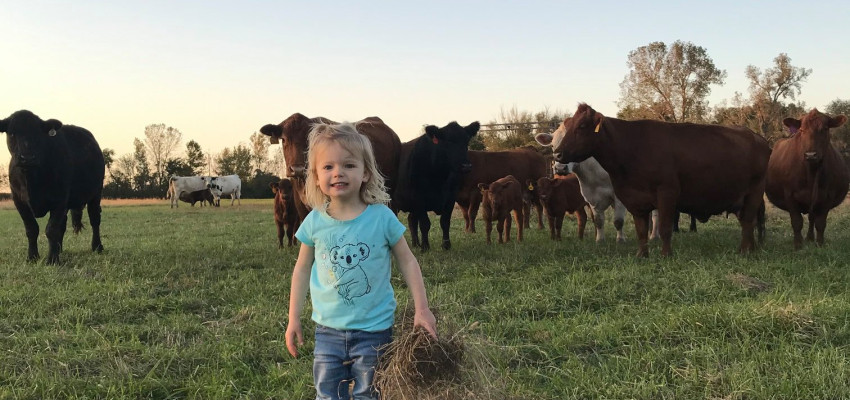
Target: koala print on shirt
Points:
(351, 280)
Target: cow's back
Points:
(488, 166)
(386, 146)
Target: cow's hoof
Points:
(98, 248)
(53, 260)
(447, 245)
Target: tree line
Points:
(145, 173)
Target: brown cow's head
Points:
(813, 130)
(544, 188)
(452, 144)
(500, 192)
(580, 137)
(28, 137)
(292, 135)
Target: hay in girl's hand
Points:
(417, 366)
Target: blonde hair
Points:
(346, 136)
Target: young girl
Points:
(345, 261)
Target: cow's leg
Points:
(642, 232)
(445, 226)
(760, 220)
(748, 216)
(466, 222)
(539, 208)
(796, 227)
(551, 226)
(55, 232)
(30, 227)
(599, 223)
(519, 216)
(94, 210)
(654, 220)
(488, 227)
(581, 217)
(820, 226)
(559, 224)
(810, 235)
(280, 232)
(424, 229)
(619, 220)
(413, 223)
(526, 216)
(693, 227)
(77, 219)
(474, 204)
(506, 223)
(666, 214)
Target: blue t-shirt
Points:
(350, 279)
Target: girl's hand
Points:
(294, 337)
(425, 319)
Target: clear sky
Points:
(219, 70)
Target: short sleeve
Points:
(392, 226)
(305, 231)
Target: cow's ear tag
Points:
(435, 140)
(599, 125)
(52, 132)
(531, 187)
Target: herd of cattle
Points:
(645, 167)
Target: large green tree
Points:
(514, 128)
(259, 151)
(160, 142)
(234, 161)
(840, 136)
(195, 158)
(668, 83)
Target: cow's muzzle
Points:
(297, 171)
(28, 160)
(813, 157)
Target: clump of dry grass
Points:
(748, 283)
(418, 366)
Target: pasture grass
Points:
(192, 303)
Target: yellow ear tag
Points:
(531, 187)
(599, 125)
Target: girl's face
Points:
(339, 173)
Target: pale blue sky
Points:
(219, 70)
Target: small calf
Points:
(285, 215)
(498, 199)
(559, 197)
(196, 196)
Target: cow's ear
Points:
(434, 134)
(273, 186)
(273, 132)
(792, 124)
(597, 121)
(837, 121)
(482, 187)
(4, 124)
(544, 139)
(51, 126)
(472, 129)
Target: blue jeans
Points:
(342, 356)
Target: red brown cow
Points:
(498, 199)
(806, 175)
(293, 131)
(487, 166)
(559, 197)
(285, 214)
(702, 170)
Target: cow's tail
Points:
(77, 219)
(760, 221)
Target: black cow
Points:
(54, 168)
(431, 170)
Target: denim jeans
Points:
(342, 356)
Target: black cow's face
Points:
(27, 137)
(452, 141)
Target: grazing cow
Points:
(559, 197)
(204, 196)
(292, 134)
(524, 164)
(806, 175)
(54, 168)
(225, 185)
(698, 169)
(180, 185)
(498, 199)
(285, 215)
(431, 170)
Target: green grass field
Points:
(192, 303)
